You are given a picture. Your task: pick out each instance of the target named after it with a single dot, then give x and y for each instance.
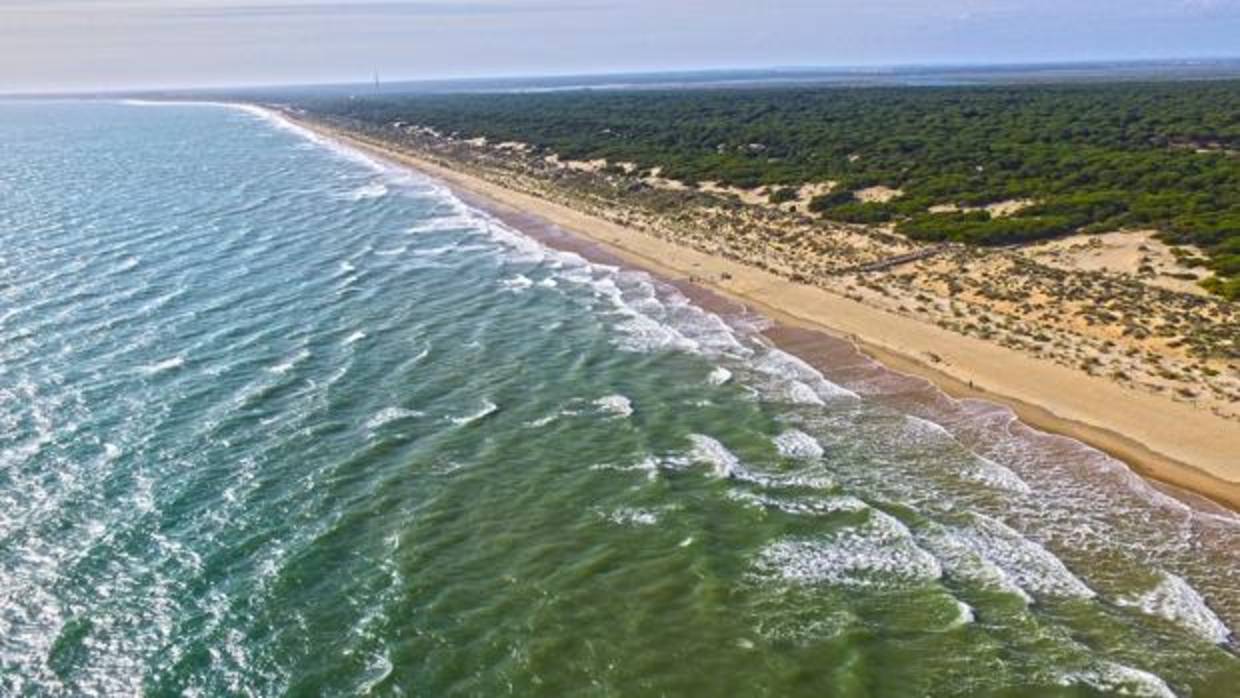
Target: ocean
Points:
(277, 418)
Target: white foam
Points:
(421, 355)
(542, 421)
(388, 415)
(964, 616)
(487, 408)
(995, 475)
(1119, 679)
(799, 393)
(618, 405)
(802, 383)
(813, 481)
(291, 363)
(374, 190)
(626, 516)
(161, 366)
(377, 671)
(1177, 601)
(643, 334)
(925, 428)
(719, 376)
(517, 284)
(811, 506)
(1033, 567)
(355, 337)
(649, 466)
(723, 462)
(981, 469)
(878, 553)
(797, 444)
(961, 561)
(458, 221)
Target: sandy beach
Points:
(1171, 442)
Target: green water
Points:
(278, 420)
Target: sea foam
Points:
(488, 408)
(1119, 680)
(388, 415)
(162, 366)
(878, 553)
(723, 463)
(1177, 601)
(374, 190)
(1032, 566)
(618, 405)
(797, 444)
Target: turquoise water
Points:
(277, 419)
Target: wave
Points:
(648, 466)
(488, 408)
(291, 363)
(879, 553)
(388, 415)
(808, 506)
(375, 190)
(719, 376)
(1119, 679)
(626, 516)
(1175, 600)
(1030, 565)
(542, 421)
(962, 562)
(797, 444)
(964, 616)
(798, 382)
(354, 338)
(128, 264)
(459, 220)
(517, 284)
(928, 430)
(163, 366)
(992, 474)
(617, 405)
(724, 464)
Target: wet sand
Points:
(1189, 452)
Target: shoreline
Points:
(1182, 450)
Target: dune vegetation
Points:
(1086, 157)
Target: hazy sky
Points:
(74, 44)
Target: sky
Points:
(51, 45)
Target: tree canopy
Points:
(1092, 157)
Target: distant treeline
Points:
(1094, 157)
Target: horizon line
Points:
(859, 68)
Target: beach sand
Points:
(1170, 442)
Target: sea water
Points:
(277, 418)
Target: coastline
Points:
(1191, 452)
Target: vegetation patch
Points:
(1092, 158)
